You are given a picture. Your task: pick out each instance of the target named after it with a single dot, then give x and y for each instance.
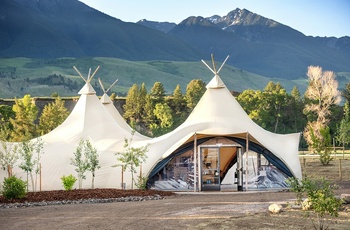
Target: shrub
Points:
(68, 181)
(14, 188)
(141, 182)
(320, 198)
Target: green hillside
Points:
(20, 76)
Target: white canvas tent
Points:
(217, 115)
(89, 120)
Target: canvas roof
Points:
(219, 114)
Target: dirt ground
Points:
(243, 210)
(210, 210)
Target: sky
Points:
(330, 18)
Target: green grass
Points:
(169, 73)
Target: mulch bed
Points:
(79, 194)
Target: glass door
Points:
(210, 168)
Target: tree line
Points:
(317, 114)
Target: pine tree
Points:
(178, 101)
(157, 93)
(148, 116)
(131, 113)
(178, 105)
(194, 91)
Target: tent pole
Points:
(246, 161)
(195, 163)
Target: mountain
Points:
(164, 27)
(262, 46)
(47, 32)
(69, 28)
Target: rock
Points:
(306, 205)
(345, 198)
(82, 201)
(275, 208)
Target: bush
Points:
(141, 182)
(68, 181)
(320, 198)
(14, 188)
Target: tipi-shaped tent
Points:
(217, 135)
(89, 120)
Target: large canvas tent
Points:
(218, 143)
(219, 124)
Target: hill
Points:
(42, 77)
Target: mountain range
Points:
(48, 29)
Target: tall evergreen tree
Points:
(24, 127)
(274, 103)
(343, 131)
(178, 104)
(178, 101)
(194, 91)
(294, 111)
(346, 92)
(157, 93)
(131, 107)
(148, 116)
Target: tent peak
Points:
(87, 88)
(216, 82)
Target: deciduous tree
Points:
(52, 116)
(131, 157)
(30, 153)
(164, 119)
(321, 93)
(6, 128)
(85, 159)
(92, 156)
(24, 127)
(8, 156)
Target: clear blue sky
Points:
(311, 17)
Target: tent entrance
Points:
(214, 162)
